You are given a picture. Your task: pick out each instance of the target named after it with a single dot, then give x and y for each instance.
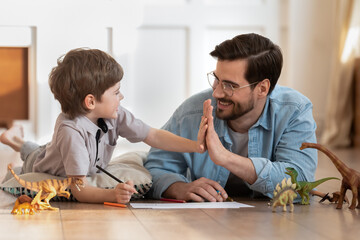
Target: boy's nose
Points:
(121, 97)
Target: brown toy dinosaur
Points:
(333, 198)
(351, 177)
(47, 189)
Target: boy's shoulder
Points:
(80, 124)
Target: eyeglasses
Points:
(227, 87)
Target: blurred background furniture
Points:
(356, 124)
(14, 85)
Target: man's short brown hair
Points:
(264, 58)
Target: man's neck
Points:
(245, 122)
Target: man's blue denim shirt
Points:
(274, 142)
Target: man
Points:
(255, 134)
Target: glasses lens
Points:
(228, 90)
(212, 80)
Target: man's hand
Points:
(216, 150)
(241, 166)
(200, 190)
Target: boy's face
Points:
(110, 102)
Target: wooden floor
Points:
(96, 221)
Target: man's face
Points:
(242, 101)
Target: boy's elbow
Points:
(151, 137)
(80, 196)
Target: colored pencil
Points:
(115, 204)
(172, 200)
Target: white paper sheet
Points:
(190, 205)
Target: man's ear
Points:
(90, 101)
(263, 87)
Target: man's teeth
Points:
(225, 103)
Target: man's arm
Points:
(200, 190)
(238, 165)
(263, 172)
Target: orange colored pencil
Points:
(115, 204)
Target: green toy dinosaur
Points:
(302, 187)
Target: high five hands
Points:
(203, 189)
(216, 150)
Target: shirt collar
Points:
(264, 119)
(91, 127)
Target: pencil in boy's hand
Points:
(109, 174)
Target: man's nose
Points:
(218, 92)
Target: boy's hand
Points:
(201, 144)
(201, 140)
(124, 191)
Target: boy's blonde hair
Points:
(79, 73)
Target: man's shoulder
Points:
(194, 104)
(200, 97)
(288, 96)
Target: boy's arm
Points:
(165, 140)
(121, 193)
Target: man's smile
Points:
(224, 104)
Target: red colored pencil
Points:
(115, 204)
(172, 200)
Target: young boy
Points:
(86, 82)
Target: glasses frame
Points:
(225, 84)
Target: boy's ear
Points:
(90, 101)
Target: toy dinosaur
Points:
(47, 189)
(23, 206)
(333, 198)
(284, 195)
(303, 187)
(351, 177)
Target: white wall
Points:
(174, 42)
(50, 29)
(164, 46)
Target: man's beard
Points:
(238, 110)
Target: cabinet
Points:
(13, 85)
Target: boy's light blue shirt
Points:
(274, 142)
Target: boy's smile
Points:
(109, 104)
